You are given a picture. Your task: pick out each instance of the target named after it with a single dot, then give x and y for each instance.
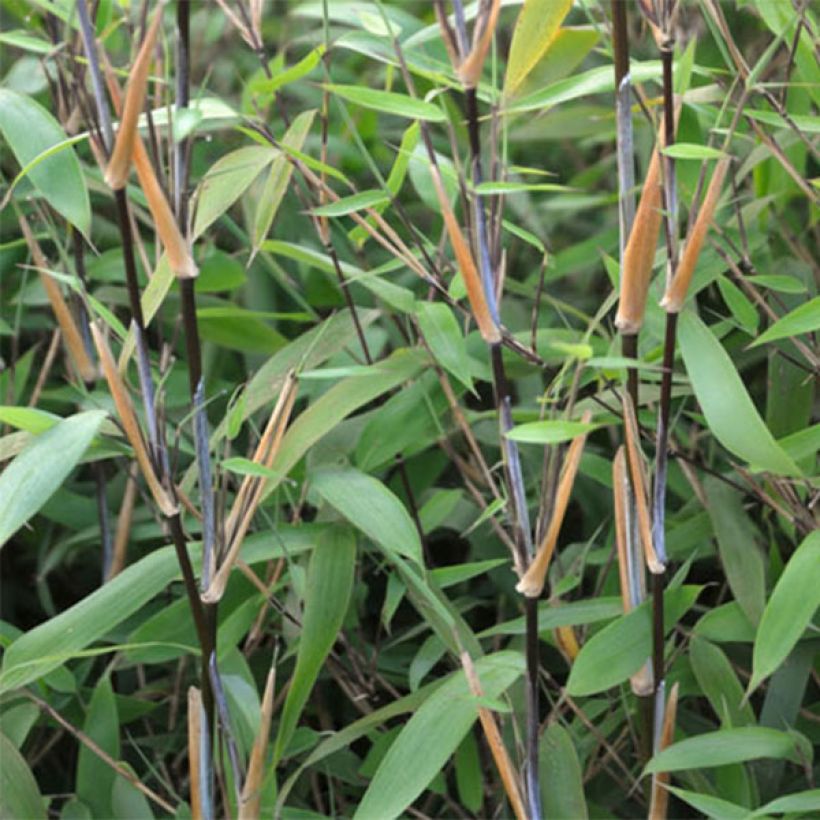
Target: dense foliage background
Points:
(343, 174)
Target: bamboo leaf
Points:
(432, 735)
(562, 786)
(19, 794)
(277, 183)
(553, 431)
(789, 611)
(742, 559)
(710, 805)
(728, 746)
(95, 778)
(690, 150)
(371, 508)
(732, 418)
(718, 681)
(351, 204)
(621, 648)
(30, 131)
(227, 179)
(803, 319)
(443, 335)
(329, 584)
(388, 102)
(39, 470)
(536, 29)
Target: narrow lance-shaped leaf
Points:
(728, 746)
(19, 793)
(789, 611)
(432, 735)
(732, 418)
(39, 470)
(329, 584)
(535, 31)
(29, 130)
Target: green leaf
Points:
(19, 794)
(30, 131)
(389, 102)
(727, 746)
(710, 805)
(789, 611)
(799, 802)
(329, 584)
(95, 778)
(549, 432)
(220, 272)
(395, 180)
(445, 339)
(803, 319)
(227, 179)
(575, 613)
(281, 171)
(595, 81)
(562, 784)
(469, 775)
(740, 555)
(566, 52)
(535, 31)
(371, 508)
(127, 801)
(39, 470)
(779, 282)
(30, 419)
(510, 187)
(719, 683)
(351, 204)
(690, 150)
(732, 418)
(290, 75)
(431, 736)
(26, 41)
(621, 648)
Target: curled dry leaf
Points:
(532, 582)
(62, 313)
(675, 295)
(466, 264)
(494, 741)
(176, 246)
(252, 488)
(640, 485)
(469, 71)
(116, 174)
(194, 745)
(660, 781)
(128, 419)
(250, 798)
(639, 254)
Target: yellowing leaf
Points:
(535, 31)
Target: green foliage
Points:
(325, 178)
